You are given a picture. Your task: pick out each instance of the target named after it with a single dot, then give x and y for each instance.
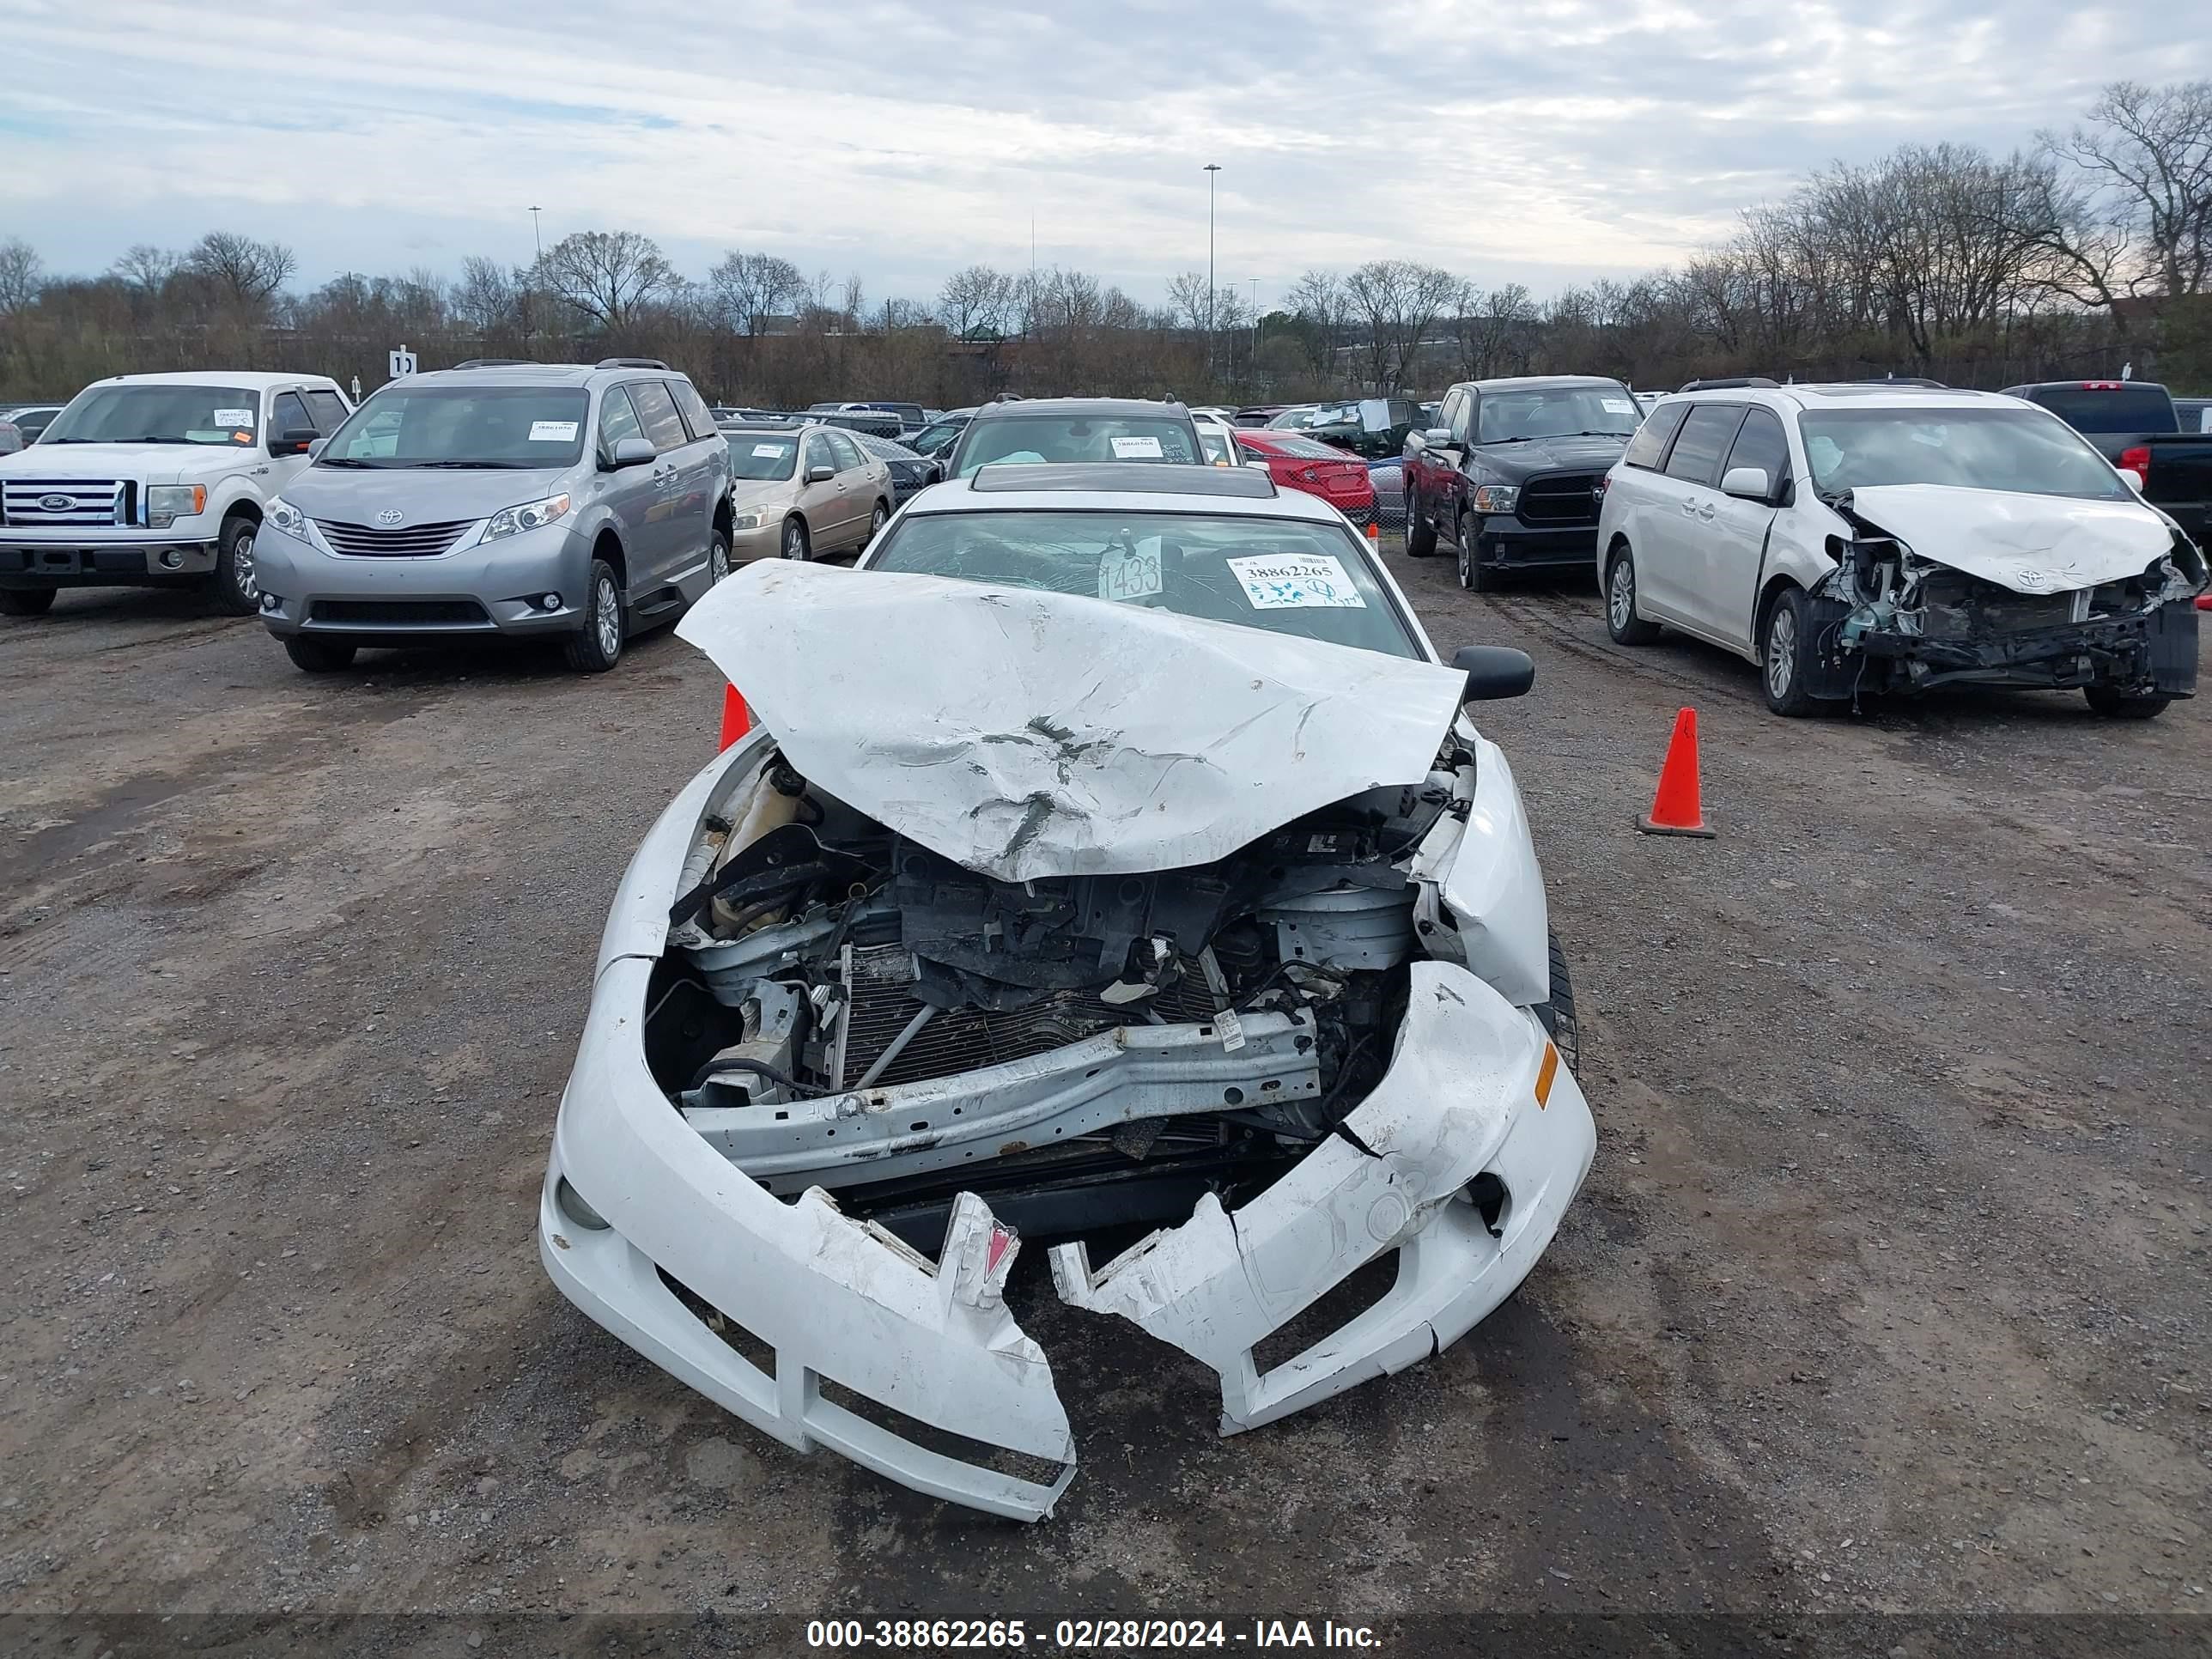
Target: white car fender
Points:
(1482, 892)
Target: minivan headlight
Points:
(166, 503)
(528, 515)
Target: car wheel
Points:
(311, 655)
(795, 539)
(876, 522)
(1621, 618)
(1420, 534)
(1474, 575)
(596, 647)
(1557, 1014)
(2123, 706)
(1785, 656)
(232, 585)
(718, 556)
(26, 601)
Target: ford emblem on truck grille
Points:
(56, 503)
(390, 515)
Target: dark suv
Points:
(1510, 472)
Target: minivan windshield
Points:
(1554, 411)
(761, 455)
(1314, 581)
(1031, 438)
(2022, 450)
(463, 426)
(159, 414)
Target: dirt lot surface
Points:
(1888, 1289)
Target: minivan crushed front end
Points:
(967, 942)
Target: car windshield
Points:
(463, 426)
(2020, 450)
(1314, 581)
(1040, 438)
(936, 436)
(159, 414)
(761, 455)
(1554, 411)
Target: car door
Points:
(632, 495)
(865, 481)
(668, 547)
(1669, 560)
(288, 412)
(1434, 463)
(822, 501)
(702, 479)
(1730, 547)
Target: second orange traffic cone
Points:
(737, 719)
(1675, 808)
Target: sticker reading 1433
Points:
(1296, 582)
(1130, 572)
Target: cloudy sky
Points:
(1539, 141)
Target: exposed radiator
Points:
(963, 1039)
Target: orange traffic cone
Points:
(1674, 809)
(737, 719)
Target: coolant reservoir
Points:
(771, 803)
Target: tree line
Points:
(2086, 251)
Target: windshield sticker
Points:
(233, 418)
(1137, 449)
(1617, 405)
(1130, 572)
(1297, 581)
(771, 452)
(553, 432)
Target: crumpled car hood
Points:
(1026, 734)
(2029, 543)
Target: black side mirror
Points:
(1494, 671)
(292, 440)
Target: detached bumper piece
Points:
(1461, 1160)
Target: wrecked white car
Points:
(1886, 537)
(1113, 851)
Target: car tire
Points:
(1783, 657)
(1557, 1014)
(2122, 705)
(718, 556)
(794, 543)
(311, 655)
(1621, 618)
(596, 647)
(877, 520)
(1420, 534)
(26, 601)
(1474, 575)
(231, 584)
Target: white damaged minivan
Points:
(1893, 537)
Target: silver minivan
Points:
(501, 498)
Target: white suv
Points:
(1893, 537)
(152, 479)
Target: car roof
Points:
(1164, 487)
(547, 375)
(1078, 406)
(246, 380)
(1514, 382)
(1850, 394)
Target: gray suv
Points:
(522, 499)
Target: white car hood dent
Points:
(2029, 543)
(1026, 734)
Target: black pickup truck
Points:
(2134, 424)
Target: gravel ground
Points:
(1888, 1292)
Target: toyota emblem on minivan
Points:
(390, 515)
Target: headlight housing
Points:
(751, 517)
(1496, 498)
(526, 515)
(166, 503)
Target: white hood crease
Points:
(2029, 543)
(1026, 734)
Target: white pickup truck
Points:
(150, 479)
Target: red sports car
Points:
(1306, 464)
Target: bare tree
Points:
(1186, 299)
(247, 272)
(22, 273)
(607, 277)
(750, 289)
(484, 300)
(1323, 309)
(146, 268)
(977, 303)
(1396, 300)
(2147, 153)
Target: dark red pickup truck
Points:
(2134, 424)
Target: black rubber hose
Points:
(759, 1068)
(743, 887)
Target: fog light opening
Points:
(548, 601)
(571, 1204)
(1493, 1202)
(272, 604)
(170, 559)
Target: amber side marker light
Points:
(1545, 1073)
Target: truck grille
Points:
(1561, 498)
(963, 1039)
(27, 503)
(414, 540)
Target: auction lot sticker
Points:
(1297, 581)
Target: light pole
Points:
(536, 232)
(1212, 167)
